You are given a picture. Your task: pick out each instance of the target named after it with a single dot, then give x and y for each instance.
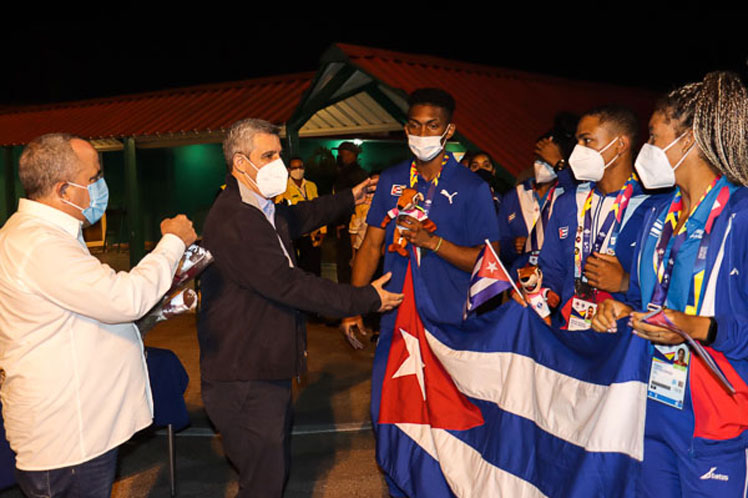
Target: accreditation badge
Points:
(668, 375)
(580, 314)
(581, 308)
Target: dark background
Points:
(137, 48)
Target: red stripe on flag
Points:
(717, 415)
(402, 401)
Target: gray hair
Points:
(240, 138)
(46, 160)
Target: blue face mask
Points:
(98, 194)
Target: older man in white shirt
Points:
(76, 384)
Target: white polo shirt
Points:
(76, 383)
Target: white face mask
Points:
(587, 164)
(654, 167)
(297, 174)
(426, 148)
(544, 172)
(272, 179)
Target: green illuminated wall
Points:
(171, 181)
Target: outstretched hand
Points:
(388, 300)
(364, 191)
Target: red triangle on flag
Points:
(416, 388)
(491, 267)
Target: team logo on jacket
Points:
(563, 232)
(511, 217)
(397, 190)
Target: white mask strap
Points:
(606, 147)
(684, 155)
(676, 141)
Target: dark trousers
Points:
(254, 419)
(91, 479)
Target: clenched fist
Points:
(181, 226)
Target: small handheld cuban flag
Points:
(489, 279)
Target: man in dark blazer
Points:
(251, 326)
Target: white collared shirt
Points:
(76, 383)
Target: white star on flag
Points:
(413, 365)
(492, 267)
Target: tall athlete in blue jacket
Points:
(459, 203)
(591, 235)
(691, 264)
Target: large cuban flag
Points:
(505, 406)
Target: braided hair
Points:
(716, 109)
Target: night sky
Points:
(48, 61)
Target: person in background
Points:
(349, 174)
(526, 209)
(357, 226)
(308, 247)
(466, 158)
(481, 163)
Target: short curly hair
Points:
(435, 97)
(623, 120)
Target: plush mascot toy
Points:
(407, 205)
(538, 297)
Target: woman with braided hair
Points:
(691, 269)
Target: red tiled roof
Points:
(501, 111)
(198, 109)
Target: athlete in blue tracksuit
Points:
(709, 425)
(459, 203)
(691, 269)
(592, 231)
(557, 256)
(522, 211)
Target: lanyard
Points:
(432, 184)
(613, 221)
(664, 267)
(302, 190)
(540, 224)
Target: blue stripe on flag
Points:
(556, 467)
